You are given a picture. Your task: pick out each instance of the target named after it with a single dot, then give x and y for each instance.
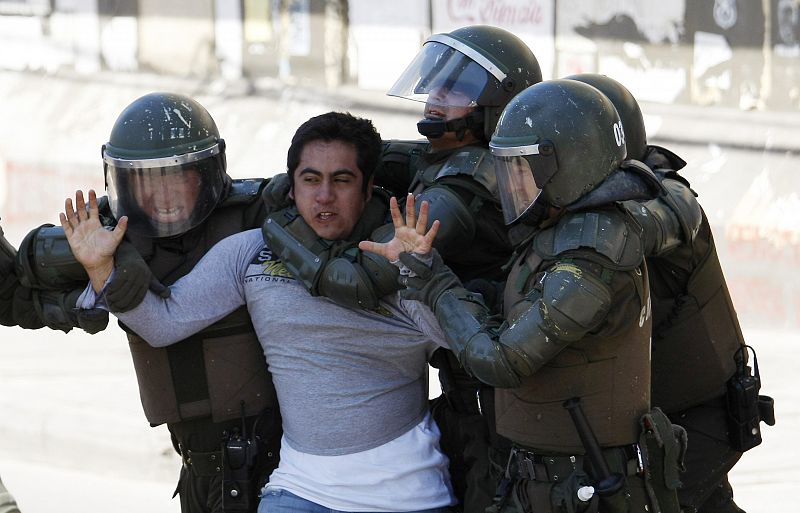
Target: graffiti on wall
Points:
(531, 20)
(705, 52)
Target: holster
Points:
(663, 446)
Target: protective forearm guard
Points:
(338, 271)
(461, 314)
(45, 261)
(567, 303)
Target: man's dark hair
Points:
(338, 126)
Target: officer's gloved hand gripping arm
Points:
(342, 272)
(566, 303)
(39, 288)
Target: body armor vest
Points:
(609, 370)
(469, 172)
(695, 329)
(221, 371)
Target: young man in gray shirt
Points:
(352, 384)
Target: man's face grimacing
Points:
(169, 197)
(329, 188)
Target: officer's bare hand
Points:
(409, 233)
(92, 244)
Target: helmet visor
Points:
(522, 173)
(442, 75)
(167, 200)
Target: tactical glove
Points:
(276, 193)
(57, 310)
(132, 279)
(92, 320)
(425, 283)
(490, 291)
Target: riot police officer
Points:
(464, 78)
(570, 357)
(696, 334)
(165, 169)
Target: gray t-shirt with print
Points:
(347, 380)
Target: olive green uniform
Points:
(695, 335)
(576, 323)
(209, 388)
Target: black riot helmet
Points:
(627, 108)
(555, 142)
(482, 66)
(164, 165)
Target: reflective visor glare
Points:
(444, 76)
(168, 194)
(159, 201)
(516, 185)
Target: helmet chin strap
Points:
(537, 213)
(435, 128)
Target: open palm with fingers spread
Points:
(409, 233)
(92, 244)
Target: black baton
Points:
(607, 483)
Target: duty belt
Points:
(202, 464)
(525, 464)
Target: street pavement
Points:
(72, 434)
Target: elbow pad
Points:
(355, 281)
(457, 224)
(347, 284)
(358, 280)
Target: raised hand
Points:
(409, 233)
(92, 244)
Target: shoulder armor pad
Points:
(609, 232)
(664, 174)
(475, 162)
(399, 150)
(399, 162)
(457, 221)
(244, 191)
(658, 157)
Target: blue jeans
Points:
(282, 501)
